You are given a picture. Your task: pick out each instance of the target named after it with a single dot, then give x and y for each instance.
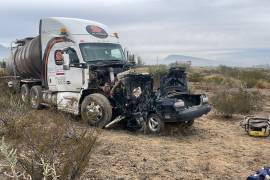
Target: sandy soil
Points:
(212, 149)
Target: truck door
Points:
(73, 76)
(51, 71)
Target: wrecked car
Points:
(144, 108)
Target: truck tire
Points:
(96, 110)
(36, 97)
(155, 124)
(25, 93)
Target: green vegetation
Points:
(249, 77)
(237, 101)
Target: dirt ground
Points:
(213, 148)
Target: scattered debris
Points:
(262, 174)
(256, 126)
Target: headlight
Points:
(179, 103)
(137, 92)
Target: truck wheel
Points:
(96, 110)
(25, 93)
(155, 124)
(36, 97)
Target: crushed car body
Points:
(175, 103)
(141, 106)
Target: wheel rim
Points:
(94, 111)
(34, 99)
(153, 124)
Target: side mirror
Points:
(66, 61)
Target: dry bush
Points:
(48, 144)
(261, 84)
(249, 77)
(194, 77)
(2, 72)
(214, 80)
(157, 71)
(52, 138)
(238, 101)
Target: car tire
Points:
(96, 110)
(155, 124)
(25, 93)
(36, 97)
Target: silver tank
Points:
(26, 60)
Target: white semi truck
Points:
(79, 66)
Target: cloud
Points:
(154, 28)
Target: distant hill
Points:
(3, 51)
(194, 61)
(249, 57)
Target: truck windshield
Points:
(101, 52)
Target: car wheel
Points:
(36, 97)
(25, 93)
(155, 124)
(96, 110)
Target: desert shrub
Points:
(237, 101)
(10, 161)
(52, 140)
(250, 78)
(214, 79)
(2, 73)
(263, 84)
(194, 77)
(47, 143)
(157, 71)
(228, 71)
(55, 142)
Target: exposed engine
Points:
(133, 95)
(130, 93)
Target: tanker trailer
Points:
(25, 60)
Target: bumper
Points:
(187, 114)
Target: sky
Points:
(221, 30)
